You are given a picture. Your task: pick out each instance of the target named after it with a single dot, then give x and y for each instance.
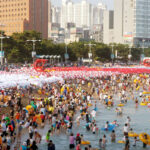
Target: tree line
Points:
(18, 50)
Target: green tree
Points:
(17, 49)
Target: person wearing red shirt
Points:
(17, 117)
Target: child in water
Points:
(113, 136)
(106, 125)
(100, 143)
(104, 141)
(135, 140)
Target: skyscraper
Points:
(108, 27)
(118, 21)
(67, 13)
(21, 15)
(98, 12)
(141, 23)
(131, 22)
(86, 14)
(49, 18)
(55, 14)
(77, 14)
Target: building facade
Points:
(49, 18)
(64, 13)
(86, 14)
(141, 22)
(108, 27)
(55, 14)
(98, 14)
(22, 15)
(131, 22)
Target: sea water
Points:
(140, 122)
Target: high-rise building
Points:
(77, 14)
(131, 22)
(86, 14)
(55, 14)
(21, 15)
(98, 21)
(49, 19)
(141, 22)
(63, 19)
(70, 11)
(98, 14)
(67, 13)
(108, 27)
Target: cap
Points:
(78, 134)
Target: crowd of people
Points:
(62, 105)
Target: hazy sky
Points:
(109, 3)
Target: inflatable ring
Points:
(110, 127)
(85, 142)
(121, 142)
(132, 134)
(89, 105)
(137, 88)
(120, 105)
(142, 138)
(29, 107)
(143, 104)
(146, 92)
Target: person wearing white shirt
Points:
(83, 82)
(93, 113)
(26, 125)
(88, 97)
(141, 94)
(30, 131)
(126, 129)
(3, 126)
